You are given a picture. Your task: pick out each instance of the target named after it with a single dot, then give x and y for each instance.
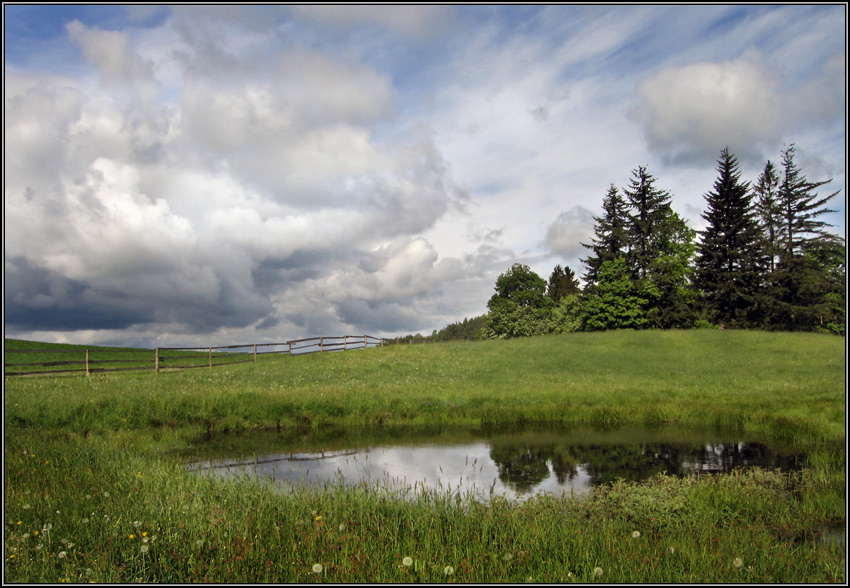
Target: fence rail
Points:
(177, 358)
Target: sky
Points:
(229, 174)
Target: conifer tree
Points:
(801, 286)
(729, 262)
(562, 282)
(649, 209)
(799, 208)
(610, 239)
(766, 193)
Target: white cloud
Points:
(690, 113)
(572, 228)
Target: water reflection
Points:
(513, 465)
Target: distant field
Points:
(33, 358)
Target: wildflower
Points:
(106, 494)
(738, 562)
(407, 561)
(597, 572)
(132, 536)
(317, 568)
(27, 506)
(137, 524)
(342, 528)
(144, 548)
(144, 533)
(145, 539)
(318, 518)
(449, 571)
(63, 554)
(635, 534)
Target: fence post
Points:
(87, 363)
(210, 357)
(255, 353)
(156, 360)
(345, 343)
(321, 344)
(290, 347)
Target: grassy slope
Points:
(791, 383)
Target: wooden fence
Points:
(100, 360)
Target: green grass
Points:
(98, 460)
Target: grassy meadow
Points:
(95, 489)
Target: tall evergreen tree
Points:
(766, 193)
(729, 262)
(609, 241)
(800, 208)
(649, 209)
(801, 286)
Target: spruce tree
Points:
(799, 208)
(650, 207)
(766, 193)
(610, 239)
(801, 286)
(729, 262)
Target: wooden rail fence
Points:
(172, 358)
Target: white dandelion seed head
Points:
(448, 571)
(597, 572)
(317, 568)
(144, 548)
(63, 554)
(407, 561)
(738, 562)
(635, 534)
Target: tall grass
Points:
(99, 509)
(96, 490)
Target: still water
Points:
(514, 464)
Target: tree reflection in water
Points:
(523, 466)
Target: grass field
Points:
(94, 491)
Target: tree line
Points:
(765, 260)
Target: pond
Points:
(513, 463)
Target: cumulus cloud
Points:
(261, 201)
(690, 113)
(572, 228)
